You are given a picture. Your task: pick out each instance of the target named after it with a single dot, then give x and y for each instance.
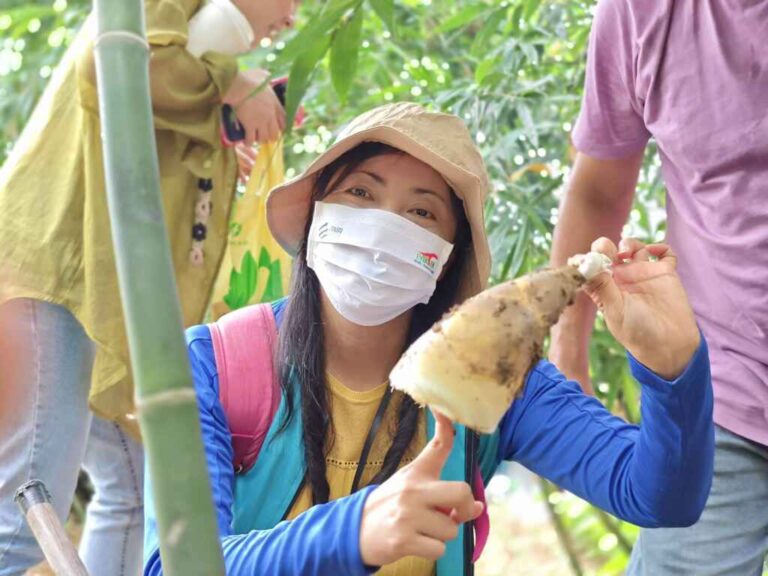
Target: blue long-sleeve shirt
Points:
(656, 474)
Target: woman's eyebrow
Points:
(376, 177)
(381, 180)
(429, 192)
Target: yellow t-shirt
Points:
(352, 414)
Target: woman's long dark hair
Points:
(301, 351)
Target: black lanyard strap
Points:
(470, 459)
(375, 425)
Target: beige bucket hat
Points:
(441, 141)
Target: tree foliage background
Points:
(513, 70)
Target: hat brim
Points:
(289, 205)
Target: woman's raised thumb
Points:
(435, 454)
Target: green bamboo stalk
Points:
(569, 548)
(613, 526)
(165, 397)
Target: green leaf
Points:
(274, 288)
(265, 260)
(516, 256)
(385, 10)
(344, 53)
(484, 69)
(630, 396)
(491, 26)
(514, 19)
(320, 25)
(242, 283)
(494, 77)
(298, 79)
(462, 18)
(610, 398)
(233, 297)
(530, 52)
(23, 14)
(530, 126)
(530, 8)
(249, 272)
(274, 285)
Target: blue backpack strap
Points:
(278, 309)
(488, 455)
(264, 494)
(452, 562)
(258, 506)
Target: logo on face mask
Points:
(326, 229)
(427, 260)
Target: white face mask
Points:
(372, 264)
(219, 26)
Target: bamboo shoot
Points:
(472, 363)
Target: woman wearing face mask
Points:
(62, 338)
(387, 228)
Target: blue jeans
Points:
(47, 432)
(731, 538)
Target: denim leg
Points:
(114, 527)
(731, 538)
(45, 373)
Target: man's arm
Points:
(597, 202)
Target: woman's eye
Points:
(422, 213)
(359, 192)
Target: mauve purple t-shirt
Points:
(693, 74)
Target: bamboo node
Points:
(166, 399)
(120, 34)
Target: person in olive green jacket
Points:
(62, 336)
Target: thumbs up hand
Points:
(414, 513)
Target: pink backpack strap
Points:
(244, 344)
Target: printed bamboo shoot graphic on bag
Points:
(254, 267)
(474, 361)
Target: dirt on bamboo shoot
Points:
(473, 362)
